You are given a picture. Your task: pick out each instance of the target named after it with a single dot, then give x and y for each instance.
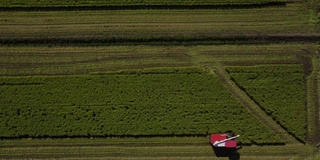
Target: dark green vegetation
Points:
(109, 80)
(159, 103)
(279, 90)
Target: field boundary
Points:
(110, 41)
(142, 7)
(317, 100)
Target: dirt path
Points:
(250, 104)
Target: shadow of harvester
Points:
(231, 153)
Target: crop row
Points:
(279, 90)
(124, 104)
(37, 3)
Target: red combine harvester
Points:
(222, 140)
(225, 145)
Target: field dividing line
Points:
(317, 99)
(251, 105)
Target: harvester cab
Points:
(223, 140)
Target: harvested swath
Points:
(273, 24)
(135, 149)
(62, 60)
(21, 60)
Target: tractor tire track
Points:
(255, 109)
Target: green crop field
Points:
(279, 90)
(157, 103)
(152, 79)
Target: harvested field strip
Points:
(74, 60)
(107, 141)
(43, 60)
(131, 150)
(107, 27)
(110, 151)
(251, 105)
(143, 7)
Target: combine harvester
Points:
(222, 140)
(224, 145)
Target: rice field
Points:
(152, 79)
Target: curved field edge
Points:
(279, 90)
(149, 103)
